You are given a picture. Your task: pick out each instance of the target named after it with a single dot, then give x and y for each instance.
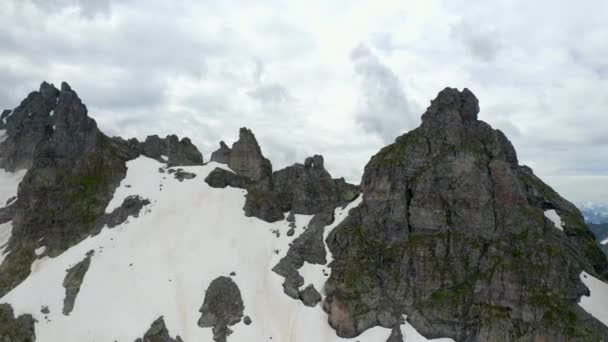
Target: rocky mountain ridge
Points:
(450, 231)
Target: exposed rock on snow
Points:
(177, 152)
(308, 189)
(130, 207)
(158, 333)
(246, 158)
(301, 188)
(396, 335)
(73, 280)
(220, 178)
(180, 175)
(310, 296)
(222, 307)
(17, 329)
(222, 155)
(308, 247)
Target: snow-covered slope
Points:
(9, 182)
(596, 302)
(160, 263)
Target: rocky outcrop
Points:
(26, 126)
(246, 158)
(301, 188)
(130, 207)
(18, 329)
(158, 333)
(181, 175)
(73, 280)
(308, 189)
(451, 233)
(222, 155)
(70, 181)
(73, 170)
(310, 296)
(222, 307)
(220, 178)
(177, 152)
(396, 335)
(308, 247)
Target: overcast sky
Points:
(336, 78)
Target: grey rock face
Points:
(180, 175)
(310, 296)
(246, 157)
(7, 213)
(451, 232)
(308, 189)
(26, 127)
(302, 188)
(178, 152)
(220, 178)
(73, 280)
(396, 335)
(130, 207)
(158, 333)
(71, 179)
(17, 329)
(222, 155)
(308, 247)
(222, 307)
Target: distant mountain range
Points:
(595, 212)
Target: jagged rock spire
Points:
(222, 155)
(451, 101)
(245, 158)
(451, 232)
(26, 126)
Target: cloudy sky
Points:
(339, 78)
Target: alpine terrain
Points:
(446, 238)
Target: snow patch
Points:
(555, 218)
(595, 303)
(9, 182)
(10, 112)
(40, 250)
(6, 230)
(164, 158)
(3, 135)
(411, 335)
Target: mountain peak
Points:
(65, 86)
(451, 101)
